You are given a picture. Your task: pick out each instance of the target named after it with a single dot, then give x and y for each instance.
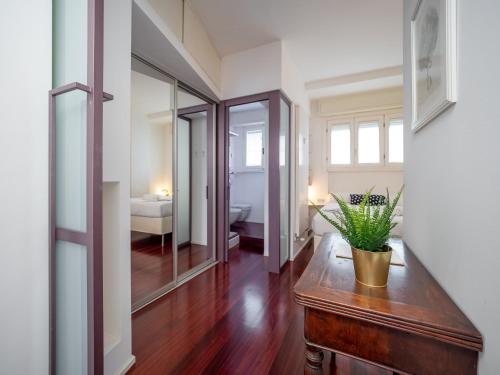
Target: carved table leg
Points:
(333, 364)
(314, 359)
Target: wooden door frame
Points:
(273, 97)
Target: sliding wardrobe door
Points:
(75, 223)
(194, 183)
(151, 183)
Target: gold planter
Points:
(371, 269)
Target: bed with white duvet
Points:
(151, 214)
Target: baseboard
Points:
(128, 366)
(199, 243)
(303, 246)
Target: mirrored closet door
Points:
(151, 183)
(171, 192)
(194, 158)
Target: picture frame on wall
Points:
(434, 59)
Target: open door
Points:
(278, 181)
(75, 222)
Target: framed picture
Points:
(434, 59)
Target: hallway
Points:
(234, 318)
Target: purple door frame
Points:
(92, 238)
(274, 98)
(209, 108)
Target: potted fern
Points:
(366, 228)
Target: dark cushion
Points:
(373, 200)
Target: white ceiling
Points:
(325, 38)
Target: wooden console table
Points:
(412, 326)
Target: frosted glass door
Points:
(75, 231)
(284, 168)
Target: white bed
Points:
(320, 226)
(151, 216)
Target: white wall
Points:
(183, 182)
(25, 32)
(292, 82)
(116, 191)
(186, 34)
(453, 177)
(251, 71)
(322, 110)
(199, 181)
(151, 155)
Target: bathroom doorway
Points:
(248, 128)
(269, 134)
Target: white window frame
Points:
(330, 125)
(388, 118)
(260, 167)
(354, 120)
(381, 139)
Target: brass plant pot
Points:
(371, 269)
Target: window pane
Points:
(254, 148)
(340, 150)
(368, 143)
(396, 141)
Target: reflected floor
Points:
(152, 269)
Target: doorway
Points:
(248, 135)
(276, 161)
(171, 195)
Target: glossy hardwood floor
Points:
(235, 318)
(248, 229)
(152, 269)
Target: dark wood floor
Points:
(152, 270)
(235, 318)
(248, 229)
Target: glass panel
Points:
(71, 160)
(396, 141)
(69, 41)
(71, 308)
(151, 184)
(254, 148)
(193, 248)
(368, 143)
(70, 65)
(340, 150)
(284, 161)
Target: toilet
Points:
(234, 215)
(244, 208)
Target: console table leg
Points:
(333, 364)
(314, 360)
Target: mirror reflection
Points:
(193, 121)
(151, 184)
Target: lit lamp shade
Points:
(311, 193)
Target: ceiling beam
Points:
(355, 77)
